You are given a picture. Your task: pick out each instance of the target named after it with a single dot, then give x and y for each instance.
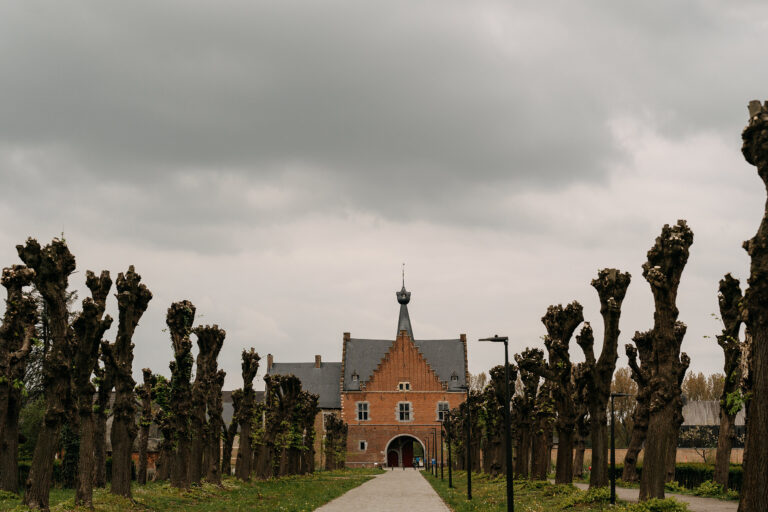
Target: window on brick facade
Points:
(362, 411)
(442, 410)
(404, 411)
(404, 386)
(363, 445)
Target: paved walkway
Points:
(695, 503)
(399, 490)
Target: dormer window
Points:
(355, 377)
(404, 386)
(454, 377)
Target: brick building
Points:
(394, 392)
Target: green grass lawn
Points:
(289, 494)
(489, 494)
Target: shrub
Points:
(596, 495)
(674, 486)
(657, 505)
(709, 488)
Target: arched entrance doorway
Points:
(401, 449)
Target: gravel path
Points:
(695, 503)
(399, 490)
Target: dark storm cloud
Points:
(405, 110)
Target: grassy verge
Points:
(489, 495)
(707, 489)
(289, 494)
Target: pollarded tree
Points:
(729, 298)
(611, 286)
(492, 419)
(52, 265)
(541, 446)
(641, 376)
(212, 449)
(335, 442)
(16, 339)
(89, 326)
(179, 319)
(560, 323)
(582, 414)
(307, 412)
(250, 367)
(754, 492)
(144, 393)
(210, 339)
(161, 391)
(229, 433)
(524, 405)
(662, 270)
(103, 380)
(132, 300)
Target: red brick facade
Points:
(404, 377)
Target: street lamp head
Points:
(496, 338)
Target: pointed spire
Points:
(404, 321)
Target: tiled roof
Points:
(446, 357)
(323, 381)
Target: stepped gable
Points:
(404, 363)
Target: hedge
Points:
(692, 475)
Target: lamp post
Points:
(613, 448)
(507, 440)
(469, 441)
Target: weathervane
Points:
(403, 274)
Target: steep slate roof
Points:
(323, 381)
(444, 356)
(227, 407)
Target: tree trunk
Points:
(656, 458)
(243, 465)
(100, 451)
(754, 492)
(226, 455)
(672, 456)
(564, 465)
(122, 448)
(9, 445)
(523, 453)
(84, 493)
(578, 457)
(180, 464)
(52, 265)
(141, 477)
(39, 483)
(598, 433)
(633, 452)
(163, 465)
(724, 445)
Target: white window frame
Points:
(362, 445)
(441, 413)
(367, 411)
(404, 386)
(325, 415)
(399, 412)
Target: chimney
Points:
(347, 336)
(318, 361)
(270, 361)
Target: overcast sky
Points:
(275, 163)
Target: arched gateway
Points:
(401, 450)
